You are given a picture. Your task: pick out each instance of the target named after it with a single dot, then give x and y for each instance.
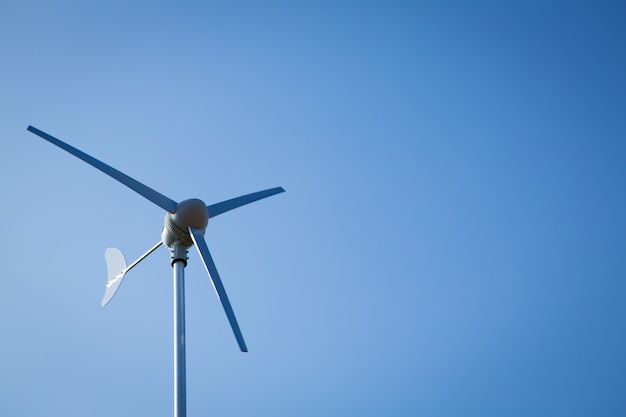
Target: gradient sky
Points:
(452, 241)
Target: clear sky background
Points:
(452, 241)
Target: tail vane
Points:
(116, 270)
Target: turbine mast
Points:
(179, 261)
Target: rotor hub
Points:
(189, 213)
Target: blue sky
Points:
(452, 241)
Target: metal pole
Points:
(179, 261)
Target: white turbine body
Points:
(184, 226)
(189, 213)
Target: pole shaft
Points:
(179, 260)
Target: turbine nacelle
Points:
(189, 213)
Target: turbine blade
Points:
(157, 198)
(117, 269)
(198, 238)
(233, 203)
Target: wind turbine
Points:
(184, 226)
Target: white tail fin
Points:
(116, 269)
